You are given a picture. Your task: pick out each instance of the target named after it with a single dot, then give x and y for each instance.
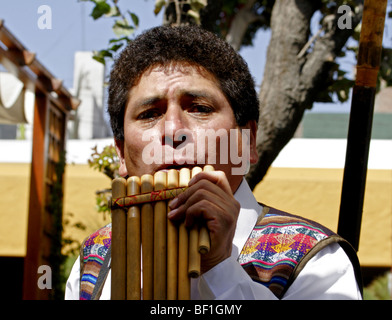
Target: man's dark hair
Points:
(189, 44)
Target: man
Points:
(169, 87)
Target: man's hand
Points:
(209, 200)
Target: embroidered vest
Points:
(275, 253)
(281, 244)
(92, 257)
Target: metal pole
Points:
(360, 123)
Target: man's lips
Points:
(175, 166)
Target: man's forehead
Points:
(184, 67)
(153, 85)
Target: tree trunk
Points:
(292, 76)
(239, 25)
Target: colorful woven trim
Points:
(94, 251)
(276, 246)
(152, 196)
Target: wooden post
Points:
(360, 123)
(37, 200)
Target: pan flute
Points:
(153, 258)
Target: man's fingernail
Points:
(171, 213)
(173, 203)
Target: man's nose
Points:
(176, 129)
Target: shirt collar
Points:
(249, 213)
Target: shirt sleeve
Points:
(328, 275)
(73, 282)
(229, 281)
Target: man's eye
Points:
(201, 108)
(148, 114)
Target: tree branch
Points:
(324, 53)
(240, 23)
(293, 77)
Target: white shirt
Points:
(328, 275)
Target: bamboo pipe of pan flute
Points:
(147, 219)
(183, 278)
(160, 219)
(199, 238)
(133, 243)
(172, 244)
(118, 246)
(204, 236)
(180, 246)
(194, 254)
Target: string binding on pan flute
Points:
(153, 258)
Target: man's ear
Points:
(120, 152)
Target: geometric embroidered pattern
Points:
(275, 247)
(277, 244)
(95, 248)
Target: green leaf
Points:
(113, 12)
(99, 59)
(100, 9)
(105, 53)
(119, 39)
(122, 28)
(197, 5)
(195, 15)
(135, 18)
(158, 6)
(101, 55)
(115, 47)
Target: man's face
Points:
(177, 116)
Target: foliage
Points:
(106, 162)
(70, 245)
(188, 8)
(385, 73)
(61, 247)
(55, 209)
(124, 26)
(338, 86)
(70, 251)
(379, 288)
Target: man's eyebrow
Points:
(150, 101)
(198, 94)
(193, 94)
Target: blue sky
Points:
(74, 30)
